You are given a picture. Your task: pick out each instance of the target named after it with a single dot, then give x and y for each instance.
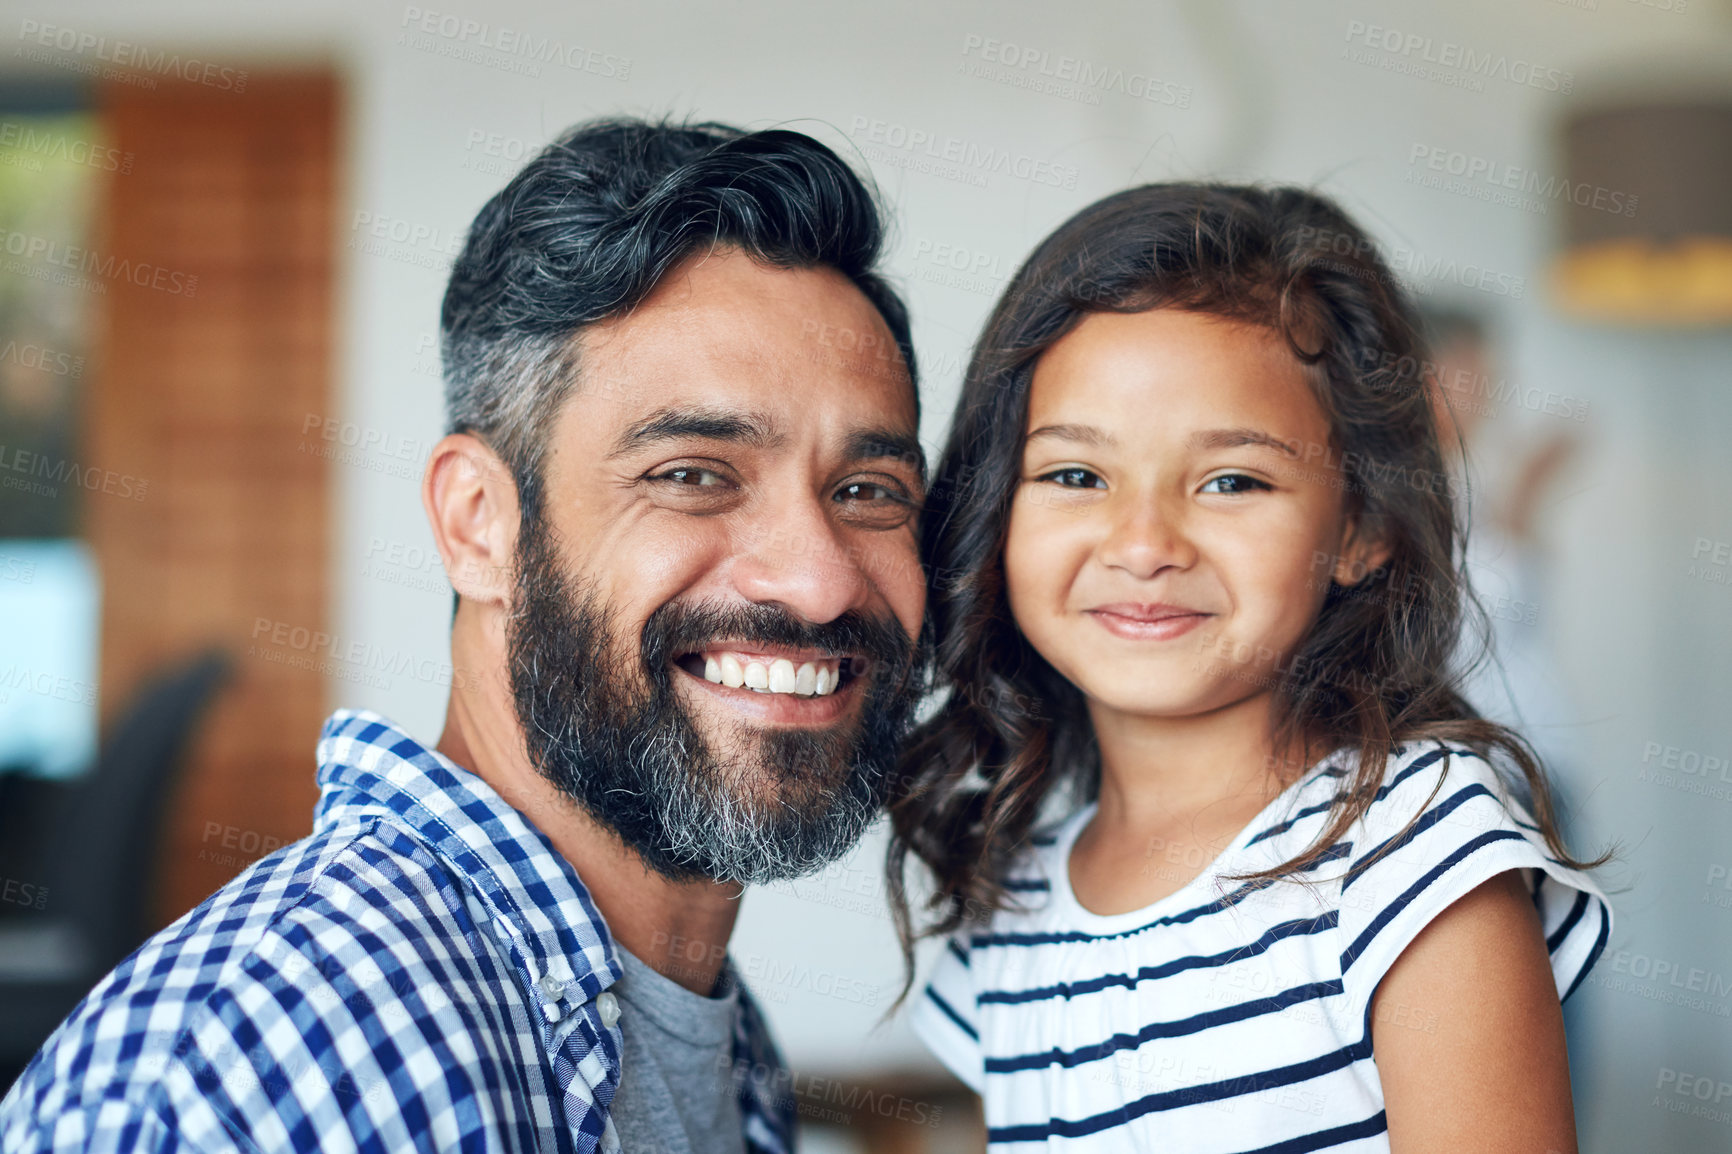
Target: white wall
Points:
(1267, 93)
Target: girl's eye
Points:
(1075, 478)
(875, 506)
(1233, 483)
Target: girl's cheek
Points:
(1033, 576)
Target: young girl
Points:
(1197, 594)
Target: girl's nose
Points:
(1145, 538)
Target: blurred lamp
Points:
(1666, 260)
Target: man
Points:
(677, 505)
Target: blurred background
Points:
(225, 229)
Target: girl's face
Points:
(1180, 513)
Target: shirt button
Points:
(552, 987)
(608, 1006)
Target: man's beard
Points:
(606, 726)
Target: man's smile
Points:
(769, 670)
(776, 683)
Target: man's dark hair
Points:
(590, 227)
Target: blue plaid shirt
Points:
(424, 972)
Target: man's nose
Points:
(1145, 536)
(795, 555)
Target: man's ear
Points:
(1363, 551)
(471, 503)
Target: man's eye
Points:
(866, 491)
(1075, 478)
(875, 506)
(688, 475)
(1234, 483)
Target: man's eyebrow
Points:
(1082, 434)
(887, 444)
(1237, 438)
(705, 424)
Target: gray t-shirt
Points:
(676, 1089)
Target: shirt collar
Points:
(542, 913)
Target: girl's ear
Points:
(1363, 551)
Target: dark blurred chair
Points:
(93, 844)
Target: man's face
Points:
(719, 593)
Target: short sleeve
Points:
(1442, 824)
(944, 1016)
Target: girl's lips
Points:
(1147, 622)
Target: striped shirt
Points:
(1229, 1016)
(425, 972)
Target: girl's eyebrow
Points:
(1082, 434)
(1237, 438)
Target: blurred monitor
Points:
(49, 615)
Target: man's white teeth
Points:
(811, 679)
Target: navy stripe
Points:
(1431, 817)
(1195, 1024)
(1576, 911)
(1028, 885)
(1222, 903)
(1351, 954)
(1297, 928)
(1419, 763)
(1593, 954)
(1187, 1096)
(950, 1012)
(1334, 853)
(957, 951)
(1376, 1124)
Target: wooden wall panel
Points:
(202, 394)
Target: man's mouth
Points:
(795, 674)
